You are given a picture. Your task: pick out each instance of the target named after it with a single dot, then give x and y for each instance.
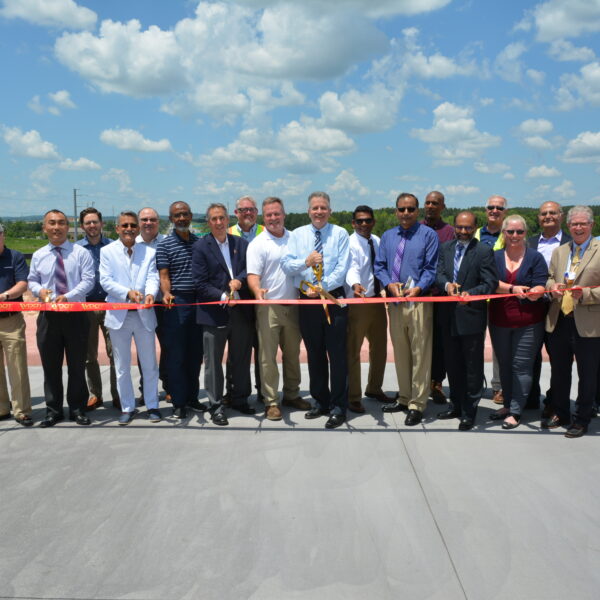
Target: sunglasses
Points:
(491, 208)
(247, 210)
(513, 231)
(410, 209)
(363, 221)
(128, 225)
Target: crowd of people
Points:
(186, 292)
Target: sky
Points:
(136, 103)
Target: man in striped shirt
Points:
(182, 335)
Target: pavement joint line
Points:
(435, 522)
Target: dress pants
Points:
(146, 351)
(92, 368)
(277, 326)
(464, 365)
(326, 354)
(564, 343)
(368, 321)
(410, 330)
(238, 334)
(13, 347)
(183, 338)
(159, 311)
(59, 335)
(516, 348)
(438, 365)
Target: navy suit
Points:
(464, 324)
(223, 324)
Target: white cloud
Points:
(537, 77)
(564, 50)
(507, 64)
(81, 164)
(542, 171)
(121, 177)
(63, 14)
(129, 139)
(460, 190)
(486, 101)
(62, 98)
(556, 19)
(577, 90)
(491, 168)
(538, 142)
(508, 176)
(347, 184)
(28, 144)
(308, 137)
(454, 137)
(585, 148)
(565, 189)
(35, 104)
(287, 187)
(536, 126)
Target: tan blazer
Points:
(587, 310)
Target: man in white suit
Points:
(128, 274)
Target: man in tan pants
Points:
(276, 324)
(13, 282)
(406, 266)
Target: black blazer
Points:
(532, 241)
(477, 275)
(211, 277)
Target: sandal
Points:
(508, 425)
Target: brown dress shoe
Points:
(94, 403)
(356, 407)
(437, 392)
(498, 397)
(273, 413)
(298, 403)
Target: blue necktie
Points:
(60, 275)
(318, 248)
(457, 256)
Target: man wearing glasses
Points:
(246, 214)
(573, 323)
(368, 321)
(490, 234)
(406, 266)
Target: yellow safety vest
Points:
(235, 230)
(499, 242)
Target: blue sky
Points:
(141, 103)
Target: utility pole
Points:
(74, 214)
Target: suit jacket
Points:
(117, 277)
(477, 275)
(211, 278)
(532, 241)
(587, 310)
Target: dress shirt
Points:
(224, 248)
(263, 258)
(419, 261)
(153, 242)
(445, 232)
(336, 255)
(79, 268)
(97, 294)
(546, 246)
(13, 269)
(361, 270)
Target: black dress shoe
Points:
(576, 431)
(5, 417)
(52, 420)
(180, 412)
(315, 412)
(394, 407)
(219, 418)
(466, 423)
(79, 417)
(414, 417)
(448, 414)
(196, 405)
(335, 421)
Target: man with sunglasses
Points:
(406, 266)
(368, 321)
(490, 234)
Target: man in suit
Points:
(368, 321)
(128, 274)
(406, 266)
(465, 268)
(551, 236)
(573, 323)
(219, 273)
(62, 272)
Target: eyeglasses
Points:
(551, 213)
(491, 208)
(514, 231)
(410, 209)
(128, 225)
(588, 224)
(149, 220)
(464, 227)
(363, 221)
(247, 210)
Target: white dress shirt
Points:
(361, 269)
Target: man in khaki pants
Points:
(276, 324)
(406, 266)
(13, 282)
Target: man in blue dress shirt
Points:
(406, 266)
(322, 246)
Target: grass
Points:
(25, 245)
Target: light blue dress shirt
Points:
(336, 255)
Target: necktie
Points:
(376, 284)
(318, 248)
(566, 306)
(60, 275)
(398, 258)
(457, 256)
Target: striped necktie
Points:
(60, 275)
(398, 258)
(457, 256)
(318, 248)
